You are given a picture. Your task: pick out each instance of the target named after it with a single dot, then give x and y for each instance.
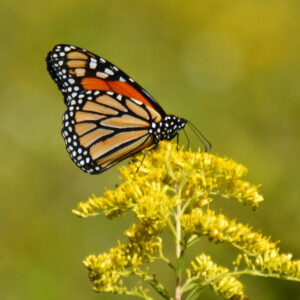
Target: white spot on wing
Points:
(93, 65)
(109, 71)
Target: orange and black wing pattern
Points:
(102, 128)
(109, 117)
(75, 69)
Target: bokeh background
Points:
(231, 67)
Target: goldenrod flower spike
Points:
(172, 191)
(205, 272)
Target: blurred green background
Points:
(231, 67)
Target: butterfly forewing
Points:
(75, 69)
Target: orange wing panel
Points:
(119, 87)
(90, 83)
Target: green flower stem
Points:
(171, 228)
(256, 273)
(238, 274)
(158, 287)
(196, 279)
(163, 258)
(178, 291)
(192, 240)
(186, 205)
(137, 294)
(179, 248)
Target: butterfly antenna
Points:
(206, 143)
(187, 138)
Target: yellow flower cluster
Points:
(204, 271)
(172, 189)
(220, 229)
(271, 264)
(107, 269)
(202, 175)
(281, 264)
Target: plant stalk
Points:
(178, 290)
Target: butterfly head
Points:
(167, 128)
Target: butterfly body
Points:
(109, 117)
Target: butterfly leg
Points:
(155, 146)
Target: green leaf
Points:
(180, 264)
(195, 293)
(190, 286)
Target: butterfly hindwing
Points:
(102, 128)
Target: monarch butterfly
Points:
(109, 116)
